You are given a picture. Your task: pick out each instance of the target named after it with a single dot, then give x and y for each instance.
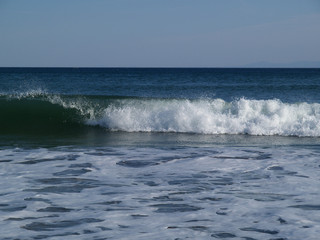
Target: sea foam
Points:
(243, 116)
(201, 116)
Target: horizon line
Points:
(168, 67)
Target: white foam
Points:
(243, 116)
(231, 188)
(202, 116)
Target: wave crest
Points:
(243, 116)
(203, 116)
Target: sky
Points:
(159, 33)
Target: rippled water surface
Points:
(160, 192)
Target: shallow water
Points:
(160, 192)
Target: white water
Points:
(203, 116)
(154, 193)
(243, 116)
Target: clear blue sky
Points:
(157, 33)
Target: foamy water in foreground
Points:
(160, 193)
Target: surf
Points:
(36, 112)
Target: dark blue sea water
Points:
(287, 85)
(120, 153)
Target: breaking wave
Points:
(39, 111)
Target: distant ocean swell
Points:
(40, 112)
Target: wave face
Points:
(38, 111)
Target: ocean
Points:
(159, 153)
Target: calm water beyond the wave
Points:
(159, 153)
